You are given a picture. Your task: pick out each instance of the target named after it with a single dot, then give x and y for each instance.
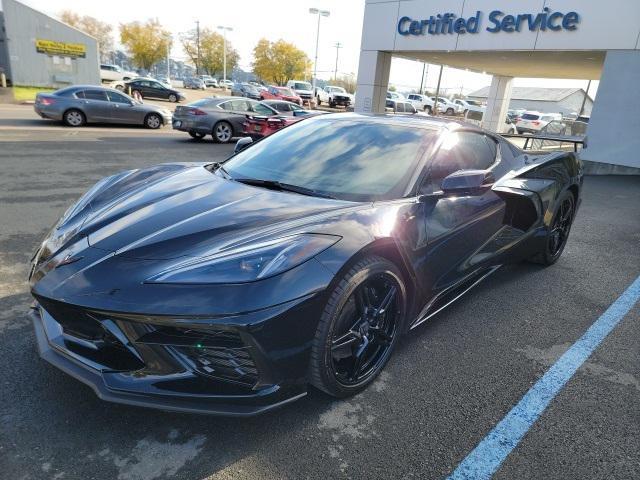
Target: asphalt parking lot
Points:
(445, 388)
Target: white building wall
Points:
(612, 134)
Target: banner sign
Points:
(50, 47)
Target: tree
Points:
(346, 81)
(101, 31)
(279, 62)
(211, 51)
(147, 43)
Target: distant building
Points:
(40, 51)
(547, 100)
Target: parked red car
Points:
(280, 93)
(257, 126)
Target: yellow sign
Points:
(51, 47)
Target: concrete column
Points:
(373, 81)
(497, 103)
(612, 133)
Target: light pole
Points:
(224, 51)
(198, 46)
(319, 13)
(168, 59)
(338, 46)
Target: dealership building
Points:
(40, 51)
(567, 39)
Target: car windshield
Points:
(302, 86)
(348, 159)
(284, 91)
(530, 116)
(337, 89)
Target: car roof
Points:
(430, 123)
(92, 87)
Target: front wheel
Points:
(449, 111)
(173, 98)
(222, 132)
(427, 109)
(318, 102)
(153, 121)
(359, 328)
(558, 232)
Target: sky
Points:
(282, 19)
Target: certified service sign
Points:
(50, 47)
(498, 21)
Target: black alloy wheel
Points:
(359, 328)
(558, 232)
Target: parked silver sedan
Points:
(221, 117)
(81, 104)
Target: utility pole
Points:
(338, 46)
(198, 46)
(319, 13)
(168, 59)
(224, 50)
(435, 99)
(584, 98)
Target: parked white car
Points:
(475, 115)
(209, 81)
(338, 96)
(533, 122)
(421, 102)
(110, 73)
(225, 83)
(395, 95)
(447, 107)
(466, 104)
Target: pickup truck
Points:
(447, 107)
(338, 96)
(421, 102)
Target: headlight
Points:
(250, 263)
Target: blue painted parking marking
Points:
(486, 458)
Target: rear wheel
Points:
(222, 132)
(359, 328)
(196, 135)
(449, 111)
(558, 233)
(153, 121)
(120, 87)
(427, 109)
(74, 118)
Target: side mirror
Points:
(468, 182)
(243, 143)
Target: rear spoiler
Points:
(575, 139)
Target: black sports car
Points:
(229, 288)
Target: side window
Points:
(156, 85)
(225, 106)
(400, 107)
(293, 107)
(240, 106)
(412, 97)
(96, 95)
(261, 109)
(461, 151)
(118, 98)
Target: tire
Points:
(427, 109)
(153, 121)
(318, 101)
(343, 364)
(449, 111)
(222, 132)
(120, 88)
(332, 104)
(558, 233)
(196, 135)
(173, 98)
(74, 118)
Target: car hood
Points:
(176, 210)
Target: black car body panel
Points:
(241, 348)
